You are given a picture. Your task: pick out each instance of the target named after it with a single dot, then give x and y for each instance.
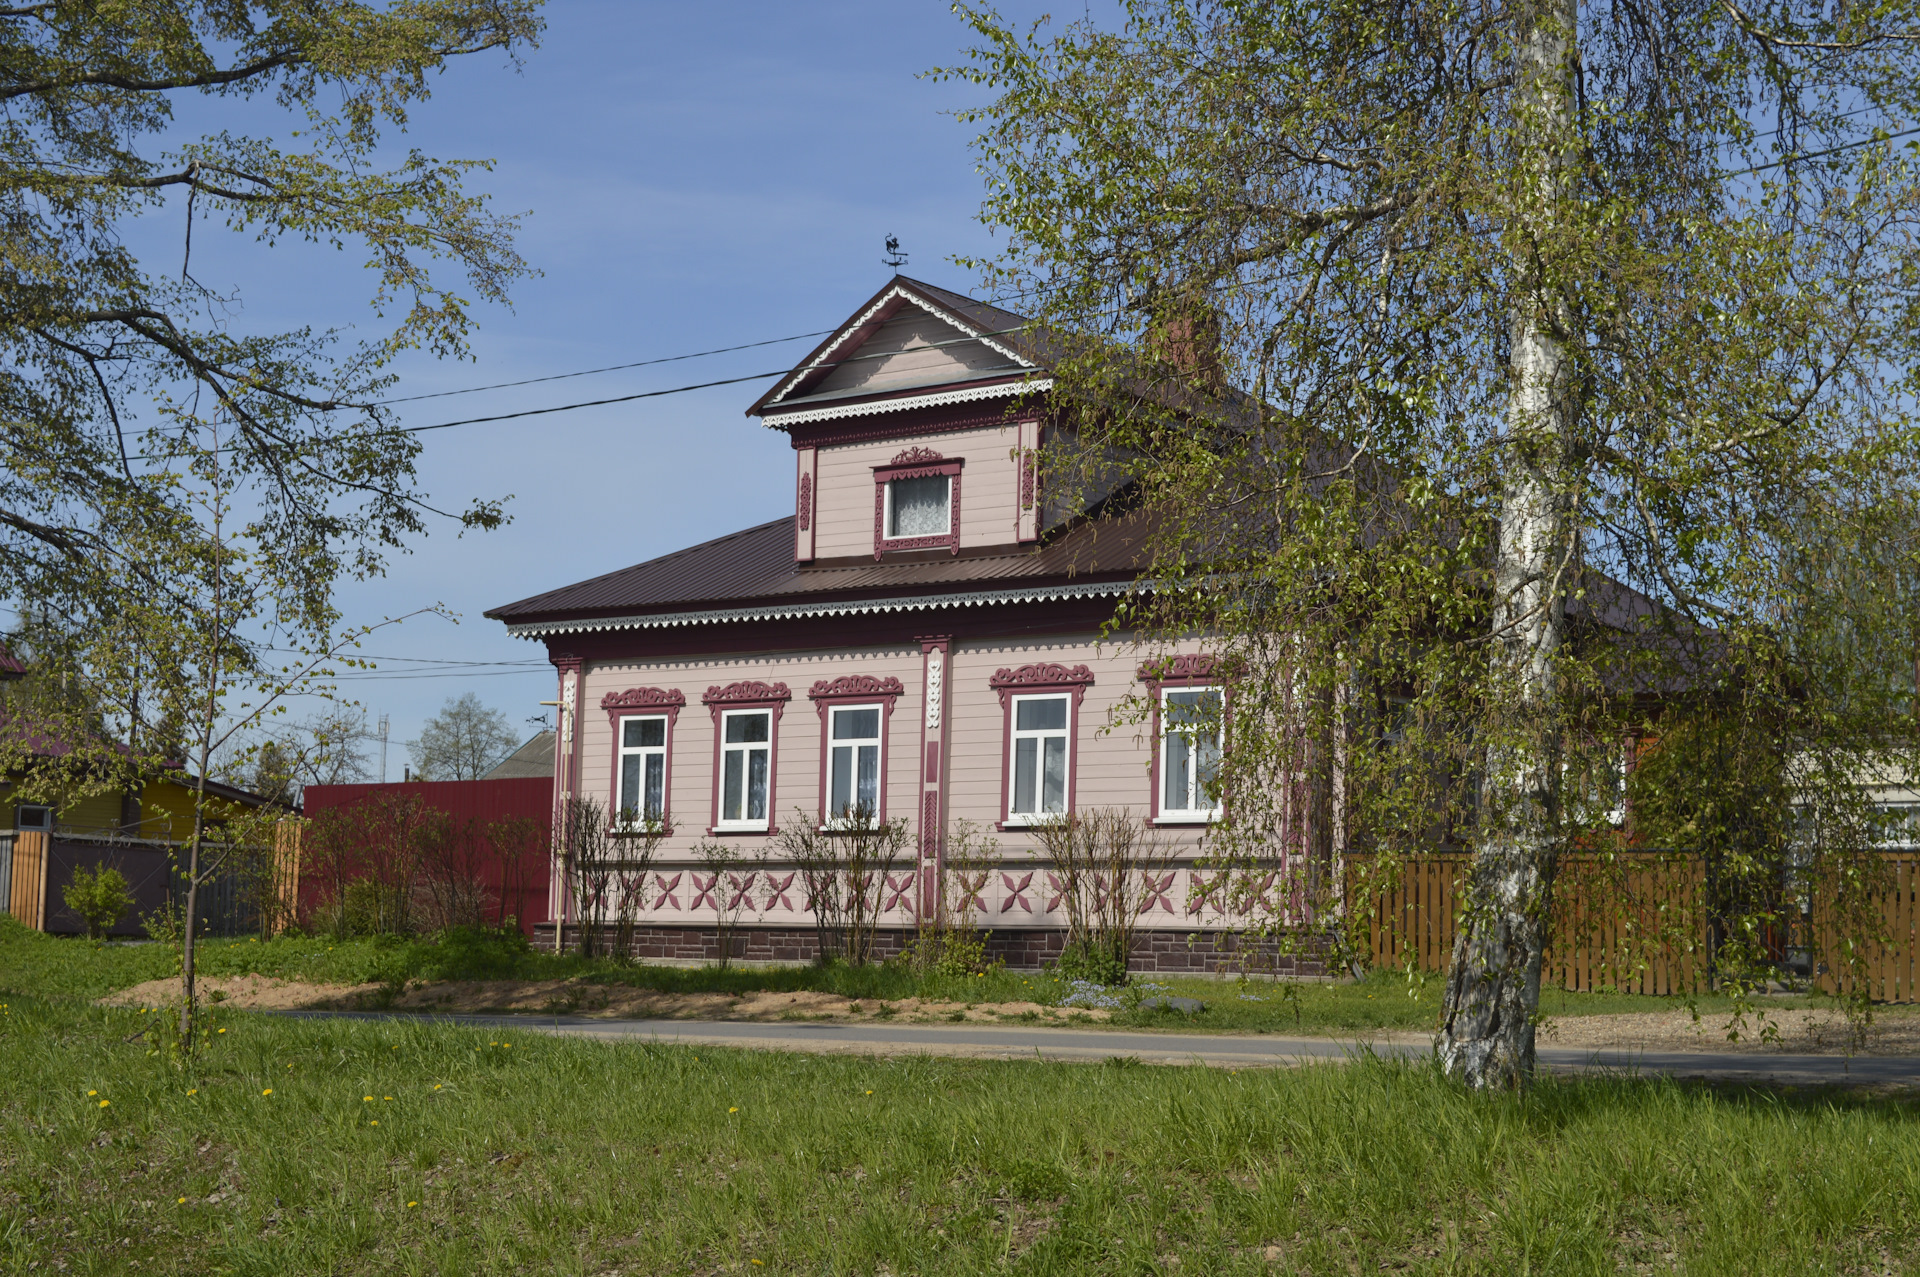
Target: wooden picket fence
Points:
(1886, 970)
(1636, 921)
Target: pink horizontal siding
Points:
(989, 489)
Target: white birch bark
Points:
(1493, 990)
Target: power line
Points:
(644, 363)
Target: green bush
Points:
(99, 898)
(1092, 960)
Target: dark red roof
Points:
(756, 567)
(9, 667)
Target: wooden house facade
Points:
(921, 633)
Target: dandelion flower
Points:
(756, 1263)
(223, 1030)
(104, 1103)
(93, 1093)
(386, 1097)
(869, 1092)
(193, 1090)
(733, 1110)
(367, 1098)
(436, 1086)
(268, 1091)
(412, 1204)
(181, 1202)
(374, 1122)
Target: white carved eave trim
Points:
(845, 607)
(864, 317)
(1034, 385)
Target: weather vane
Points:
(895, 257)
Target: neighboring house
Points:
(535, 758)
(920, 634)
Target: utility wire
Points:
(644, 363)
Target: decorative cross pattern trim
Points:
(806, 502)
(747, 690)
(1185, 665)
(644, 698)
(856, 685)
(1048, 674)
(742, 889)
(973, 888)
(1053, 885)
(777, 890)
(1016, 893)
(709, 891)
(665, 888)
(1157, 890)
(916, 456)
(901, 890)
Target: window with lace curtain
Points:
(920, 507)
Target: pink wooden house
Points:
(919, 633)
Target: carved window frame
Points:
(854, 691)
(1045, 678)
(747, 695)
(641, 702)
(1187, 672)
(916, 463)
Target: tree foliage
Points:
(1496, 383)
(462, 742)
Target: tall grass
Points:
(483, 1152)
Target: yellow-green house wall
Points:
(166, 810)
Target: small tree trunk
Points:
(1493, 989)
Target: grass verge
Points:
(31, 962)
(410, 1147)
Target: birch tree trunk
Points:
(1493, 990)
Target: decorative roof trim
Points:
(866, 316)
(845, 607)
(775, 418)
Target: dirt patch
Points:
(575, 997)
(1816, 1031)
(251, 993)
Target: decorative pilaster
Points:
(566, 782)
(806, 502)
(1026, 519)
(936, 655)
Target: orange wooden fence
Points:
(1637, 922)
(1886, 967)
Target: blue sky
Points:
(695, 176)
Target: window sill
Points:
(629, 831)
(723, 830)
(1199, 818)
(1016, 824)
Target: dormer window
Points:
(919, 507)
(916, 502)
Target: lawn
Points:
(413, 1147)
(410, 1146)
(1385, 1001)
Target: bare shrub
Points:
(948, 940)
(589, 850)
(520, 845)
(634, 849)
(453, 870)
(728, 890)
(1102, 861)
(848, 869)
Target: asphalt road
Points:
(1213, 1050)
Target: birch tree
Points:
(1483, 378)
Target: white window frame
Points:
(886, 518)
(746, 749)
(1014, 736)
(1186, 815)
(623, 751)
(835, 820)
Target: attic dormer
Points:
(915, 428)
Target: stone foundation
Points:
(1021, 949)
